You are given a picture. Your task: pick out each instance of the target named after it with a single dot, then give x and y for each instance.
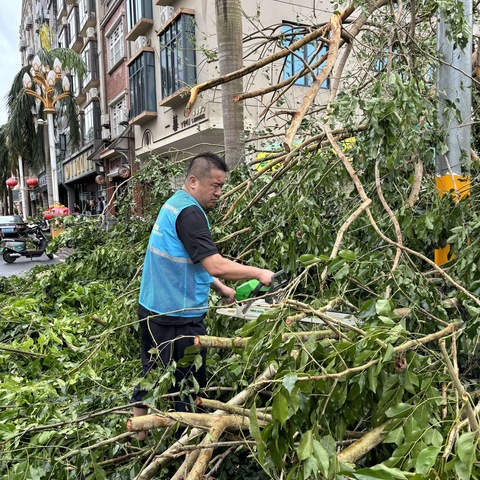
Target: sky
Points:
(9, 52)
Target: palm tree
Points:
(24, 137)
(230, 56)
(6, 167)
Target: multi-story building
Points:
(142, 56)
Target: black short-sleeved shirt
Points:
(193, 232)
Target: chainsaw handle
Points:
(278, 278)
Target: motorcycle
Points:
(17, 247)
(44, 225)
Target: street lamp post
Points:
(45, 80)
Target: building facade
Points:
(142, 56)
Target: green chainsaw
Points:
(253, 299)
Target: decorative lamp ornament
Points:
(36, 64)
(51, 78)
(66, 84)
(57, 66)
(12, 182)
(32, 182)
(27, 80)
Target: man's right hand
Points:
(265, 277)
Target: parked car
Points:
(12, 226)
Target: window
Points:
(177, 55)
(141, 74)
(294, 63)
(137, 9)
(73, 26)
(90, 58)
(76, 85)
(64, 38)
(118, 114)
(115, 46)
(91, 122)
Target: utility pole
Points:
(454, 87)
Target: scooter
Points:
(17, 247)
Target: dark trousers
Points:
(169, 343)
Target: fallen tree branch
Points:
(320, 32)
(234, 409)
(416, 184)
(22, 352)
(393, 218)
(238, 399)
(235, 422)
(359, 448)
(206, 341)
(342, 230)
(196, 473)
(401, 348)
(335, 29)
(466, 399)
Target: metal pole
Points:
(53, 159)
(454, 92)
(454, 87)
(22, 188)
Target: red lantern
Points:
(32, 182)
(12, 182)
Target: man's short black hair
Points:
(202, 164)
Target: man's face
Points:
(207, 190)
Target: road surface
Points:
(23, 264)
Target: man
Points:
(181, 264)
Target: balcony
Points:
(175, 98)
(142, 118)
(140, 28)
(91, 80)
(62, 11)
(87, 21)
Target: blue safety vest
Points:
(171, 283)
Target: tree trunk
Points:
(230, 52)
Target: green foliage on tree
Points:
(393, 397)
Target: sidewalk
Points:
(64, 252)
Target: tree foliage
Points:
(354, 224)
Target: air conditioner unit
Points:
(90, 32)
(30, 52)
(28, 22)
(93, 93)
(22, 45)
(105, 134)
(165, 14)
(141, 42)
(105, 120)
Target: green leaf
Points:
(347, 255)
(289, 381)
(400, 410)
(426, 459)
(465, 450)
(305, 448)
(395, 436)
(383, 307)
(308, 259)
(322, 455)
(280, 408)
